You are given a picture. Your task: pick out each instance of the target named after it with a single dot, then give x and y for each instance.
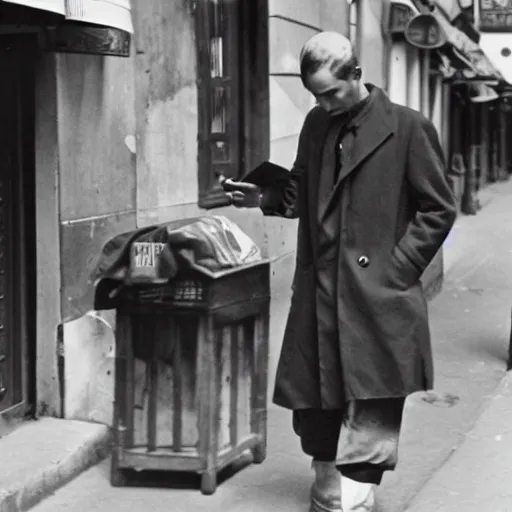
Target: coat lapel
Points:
(372, 129)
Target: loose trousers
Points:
(362, 438)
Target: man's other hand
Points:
(242, 195)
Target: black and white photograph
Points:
(255, 255)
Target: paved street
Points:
(470, 324)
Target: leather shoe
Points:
(326, 491)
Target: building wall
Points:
(85, 188)
(373, 43)
(398, 83)
(166, 110)
(97, 201)
(48, 236)
(97, 170)
(131, 161)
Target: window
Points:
(232, 43)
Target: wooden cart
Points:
(203, 344)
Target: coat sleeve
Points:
(282, 199)
(435, 208)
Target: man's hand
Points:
(242, 195)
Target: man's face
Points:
(334, 95)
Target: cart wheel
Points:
(209, 482)
(259, 453)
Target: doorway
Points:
(17, 227)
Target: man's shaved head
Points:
(329, 49)
(330, 71)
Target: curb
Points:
(44, 482)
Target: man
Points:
(374, 207)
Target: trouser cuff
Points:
(363, 472)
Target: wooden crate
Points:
(191, 374)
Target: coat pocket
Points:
(404, 273)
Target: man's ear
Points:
(357, 73)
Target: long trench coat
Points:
(396, 210)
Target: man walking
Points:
(374, 207)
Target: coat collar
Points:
(371, 128)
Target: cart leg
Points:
(259, 391)
(123, 402)
(118, 476)
(259, 453)
(208, 339)
(209, 482)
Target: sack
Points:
(210, 243)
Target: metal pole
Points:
(398, 73)
(413, 78)
(445, 122)
(469, 201)
(425, 83)
(484, 144)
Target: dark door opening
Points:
(17, 227)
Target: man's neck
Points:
(363, 92)
(362, 100)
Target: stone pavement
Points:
(470, 322)
(40, 456)
(478, 477)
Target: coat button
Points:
(363, 261)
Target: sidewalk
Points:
(478, 477)
(40, 456)
(470, 328)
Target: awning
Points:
(481, 93)
(461, 58)
(108, 13)
(467, 49)
(462, 55)
(453, 11)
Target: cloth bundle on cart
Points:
(156, 254)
